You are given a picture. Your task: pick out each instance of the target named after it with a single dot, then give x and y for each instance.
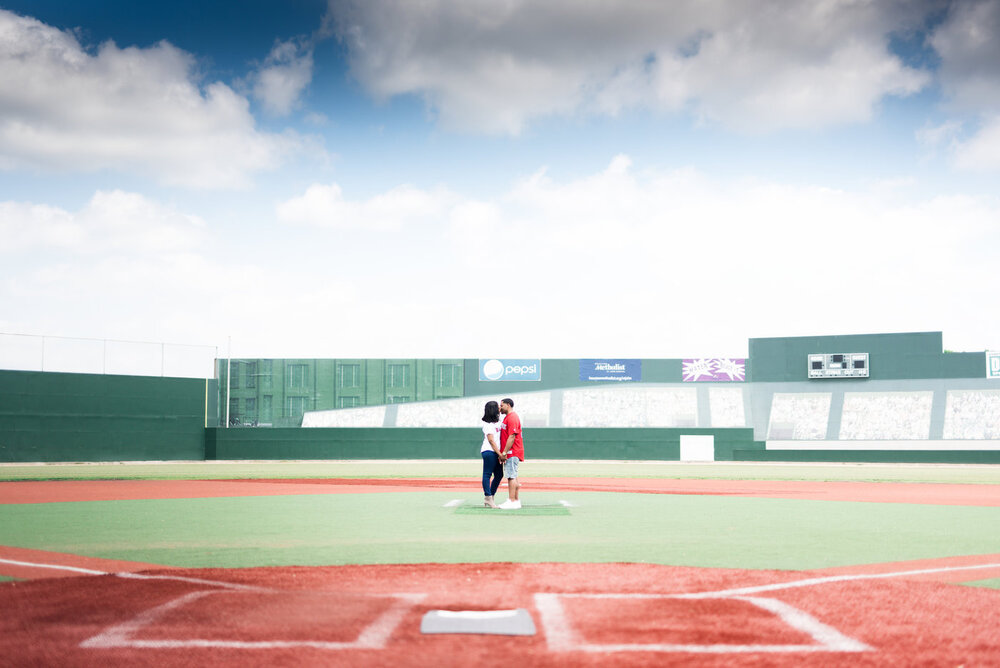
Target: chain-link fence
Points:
(25, 352)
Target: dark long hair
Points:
(492, 412)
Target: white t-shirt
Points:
(490, 428)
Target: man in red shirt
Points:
(511, 452)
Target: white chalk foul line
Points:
(811, 582)
(373, 636)
(454, 502)
(119, 635)
(561, 636)
(135, 576)
(72, 569)
(827, 637)
(559, 633)
(180, 578)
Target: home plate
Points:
(495, 622)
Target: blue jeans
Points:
(491, 468)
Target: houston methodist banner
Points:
(623, 370)
(714, 370)
(497, 369)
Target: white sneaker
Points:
(516, 505)
(508, 505)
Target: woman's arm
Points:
(493, 443)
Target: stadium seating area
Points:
(616, 406)
(800, 416)
(886, 415)
(438, 413)
(368, 416)
(793, 416)
(972, 414)
(726, 407)
(630, 407)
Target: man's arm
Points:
(514, 428)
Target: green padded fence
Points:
(450, 443)
(54, 417)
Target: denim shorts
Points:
(510, 467)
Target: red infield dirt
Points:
(108, 490)
(584, 615)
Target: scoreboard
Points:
(838, 365)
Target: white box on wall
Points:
(697, 448)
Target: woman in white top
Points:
(490, 450)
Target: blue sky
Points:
(485, 179)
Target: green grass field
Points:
(415, 527)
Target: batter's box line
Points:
(373, 636)
(561, 636)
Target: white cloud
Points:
(494, 67)
(63, 107)
(970, 51)
(279, 83)
(942, 135)
(625, 261)
(325, 206)
(970, 78)
(119, 266)
(124, 266)
(111, 221)
(981, 152)
(652, 263)
(978, 152)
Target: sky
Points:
(484, 178)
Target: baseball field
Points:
(398, 563)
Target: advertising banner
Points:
(507, 369)
(610, 370)
(993, 365)
(717, 370)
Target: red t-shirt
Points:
(512, 425)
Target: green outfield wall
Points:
(451, 443)
(51, 417)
